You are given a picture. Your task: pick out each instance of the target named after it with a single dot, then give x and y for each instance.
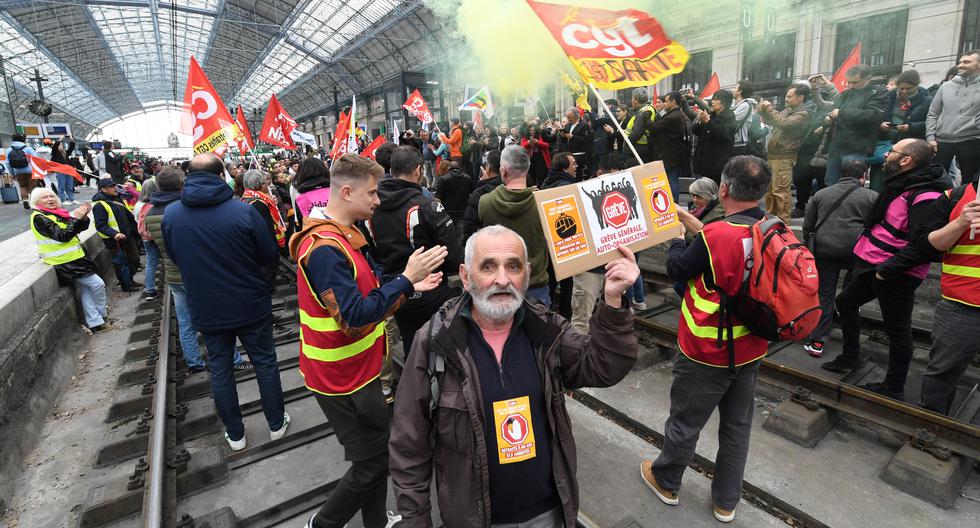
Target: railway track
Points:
(171, 458)
(789, 369)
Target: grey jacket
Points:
(954, 115)
(837, 235)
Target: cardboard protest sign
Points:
(585, 223)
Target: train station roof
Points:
(104, 59)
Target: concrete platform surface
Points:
(836, 482)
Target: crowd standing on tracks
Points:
(885, 182)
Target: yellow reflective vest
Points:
(52, 251)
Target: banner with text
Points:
(417, 106)
(613, 49)
(585, 223)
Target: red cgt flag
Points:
(277, 126)
(417, 106)
(41, 166)
(613, 49)
(244, 138)
(710, 88)
(340, 136)
(207, 118)
(370, 149)
(853, 59)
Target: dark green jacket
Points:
(154, 219)
(859, 113)
(516, 210)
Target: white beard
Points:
(497, 309)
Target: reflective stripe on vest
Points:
(697, 336)
(111, 218)
(960, 280)
(629, 124)
(331, 361)
(52, 251)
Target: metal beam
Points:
(214, 32)
(397, 15)
(26, 35)
(270, 45)
(154, 12)
(112, 56)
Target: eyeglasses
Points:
(893, 151)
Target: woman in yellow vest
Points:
(56, 232)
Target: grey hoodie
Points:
(743, 117)
(954, 115)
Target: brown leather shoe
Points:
(646, 473)
(723, 515)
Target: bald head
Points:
(206, 163)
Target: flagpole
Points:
(615, 121)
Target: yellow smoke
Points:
(503, 43)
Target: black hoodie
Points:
(407, 220)
(453, 190)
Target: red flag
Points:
(710, 88)
(655, 95)
(853, 59)
(41, 166)
(245, 135)
(340, 136)
(613, 49)
(277, 126)
(370, 149)
(417, 106)
(478, 118)
(206, 117)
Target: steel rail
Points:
(905, 418)
(153, 495)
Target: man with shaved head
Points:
(481, 400)
(221, 245)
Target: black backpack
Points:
(17, 158)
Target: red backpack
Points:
(779, 297)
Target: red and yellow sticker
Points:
(515, 431)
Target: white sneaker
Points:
(276, 435)
(236, 445)
(309, 523)
(640, 306)
(393, 520)
(723, 516)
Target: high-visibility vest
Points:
(629, 124)
(331, 362)
(111, 217)
(960, 281)
(697, 332)
(52, 251)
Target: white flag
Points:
(394, 127)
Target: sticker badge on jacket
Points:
(515, 432)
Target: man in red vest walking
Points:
(954, 228)
(343, 303)
(706, 374)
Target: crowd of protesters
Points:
(884, 179)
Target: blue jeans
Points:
(186, 332)
(261, 349)
(834, 162)
(542, 294)
(152, 260)
(66, 188)
(637, 292)
(674, 179)
(92, 290)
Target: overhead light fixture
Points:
(432, 82)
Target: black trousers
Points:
(967, 154)
(361, 422)
(895, 300)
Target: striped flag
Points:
(482, 101)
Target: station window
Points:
(772, 60)
(882, 39)
(970, 39)
(696, 73)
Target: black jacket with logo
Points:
(407, 220)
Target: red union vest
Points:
(961, 264)
(330, 361)
(697, 333)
